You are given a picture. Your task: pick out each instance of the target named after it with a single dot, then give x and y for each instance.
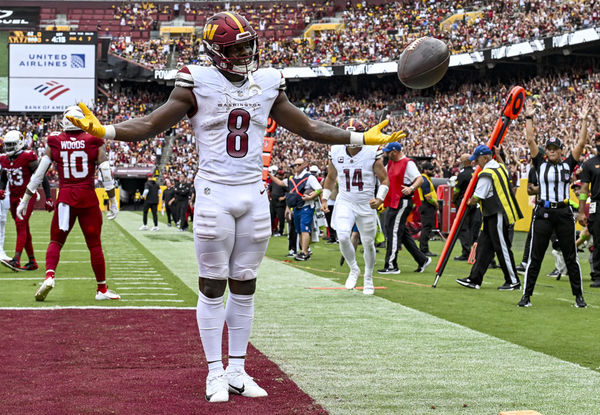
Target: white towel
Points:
(63, 217)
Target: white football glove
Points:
(113, 210)
(22, 208)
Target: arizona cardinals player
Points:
(356, 168)
(228, 105)
(20, 165)
(75, 154)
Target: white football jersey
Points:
(356, 178)
(229, 124)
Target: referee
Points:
(553, 212)
(590, 176)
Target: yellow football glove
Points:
(374, 136)
(90, 123)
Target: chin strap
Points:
(254, 88)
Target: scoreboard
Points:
(43, 37)
(50, 71)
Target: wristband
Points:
(583, 196)
(318, 191)
(357, 139)
(326, 194)
(584, 237)
(109, 132)
(382, 192)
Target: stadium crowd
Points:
(375, 33)
(441, 126)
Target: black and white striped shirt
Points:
(554, 179)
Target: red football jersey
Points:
(75, 156)
(19, 172)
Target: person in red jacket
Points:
(404, 178)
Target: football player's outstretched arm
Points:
(180, 102)
(293, 119)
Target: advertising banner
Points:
(19, 17)
(63, 61)
(49, 94)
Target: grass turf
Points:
(552, 326)
(131, 271)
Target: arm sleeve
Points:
(411, 173)
(538, 160)
(571, 161)
(585, 172)
(425, 187)
(484, 184)
(314, 183)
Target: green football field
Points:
(410, 349)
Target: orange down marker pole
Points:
(512, 108)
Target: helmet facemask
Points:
(13, 142)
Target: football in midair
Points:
(423, 63)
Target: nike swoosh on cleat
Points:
(237, 390)
(262, 191)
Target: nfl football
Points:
(423, 63)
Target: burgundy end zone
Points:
(124, 362)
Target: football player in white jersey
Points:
(4, 207)
(228, 105)
(356, 169)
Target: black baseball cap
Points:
(554, 141)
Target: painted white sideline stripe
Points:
(94, 307)
(141, 283)
(161, 300)
(128, 294)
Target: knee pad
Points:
(343, 236)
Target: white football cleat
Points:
(368, 288)
(217, 388)
(42, 292)
(143, 228)
(352, 277)
(241, 383)
(108, 295)
(154, 229)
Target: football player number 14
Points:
(237, 139)
(75, 164)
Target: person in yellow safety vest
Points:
(499, 209)
(429, 205)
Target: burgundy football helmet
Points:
(227, 29)
(352, 124)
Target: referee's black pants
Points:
(527, 248)
(494, 239)
(397, 235)
(545, 222)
